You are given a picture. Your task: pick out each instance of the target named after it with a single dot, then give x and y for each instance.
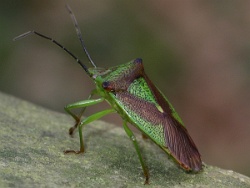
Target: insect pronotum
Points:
(139, 102)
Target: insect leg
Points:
(77, 118)
(85, 121)
(132, 137)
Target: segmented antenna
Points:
(55, 42)
(79, 34)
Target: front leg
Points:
(77, 117)
(85, 121)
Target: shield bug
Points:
(139, 102)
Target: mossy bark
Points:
(33, 140)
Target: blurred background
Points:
(197, 52)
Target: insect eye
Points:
(105, 84)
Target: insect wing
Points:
(178, 140)
(150, 111)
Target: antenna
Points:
(55, 42)
(79, 34)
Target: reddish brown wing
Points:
(178, 141)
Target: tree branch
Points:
(31, 154)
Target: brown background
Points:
(196, 52)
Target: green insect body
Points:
(130, 92)
(139, 102)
